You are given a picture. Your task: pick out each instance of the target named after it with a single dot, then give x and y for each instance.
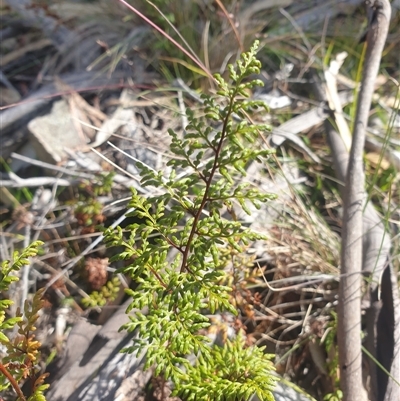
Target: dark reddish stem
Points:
(208, 184)
(13, 382)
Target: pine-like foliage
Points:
(205, 183)
(22, 351)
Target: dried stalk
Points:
(349, 330)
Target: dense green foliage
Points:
(22, 350)
(172, 297)
(205, 183)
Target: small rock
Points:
(52, 133)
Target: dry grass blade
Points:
(152, 24)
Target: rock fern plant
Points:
(174, 293)
(21, 360)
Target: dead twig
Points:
(17, 182)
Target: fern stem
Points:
(13, 382)
(208, 184)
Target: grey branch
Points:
(349, 330)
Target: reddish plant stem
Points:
(231, 23)
(173, 41)
(13, 382)
(158, 277)
(208, 184)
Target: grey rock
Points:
(52, 133)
